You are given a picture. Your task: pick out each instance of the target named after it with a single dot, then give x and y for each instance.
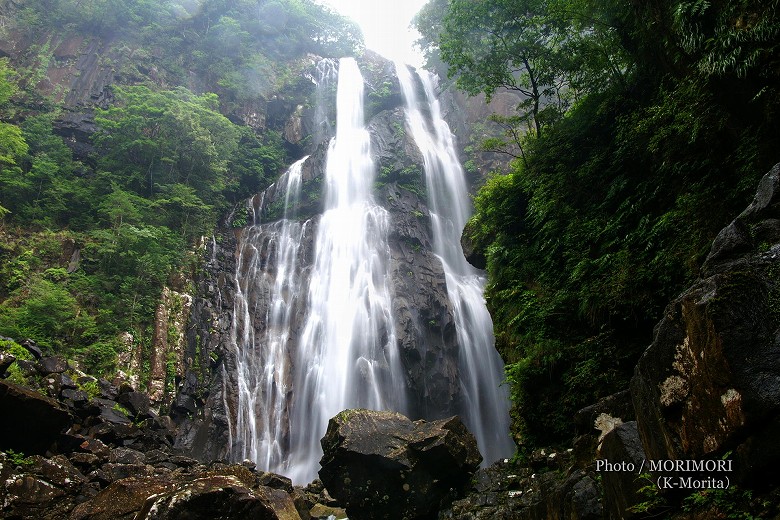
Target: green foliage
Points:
(12, 148)
(239, 221)
(99, 358)
(170, 372)
(167, 162)
(733, 503)
(654, 502)
(8, 85)
(609, 212)
(48, 313)
(409, 178)
(254, 165)
(91, 388)
(550, 52)
(18, 459)
(121, 409)
(14, 373)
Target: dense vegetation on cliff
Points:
(88, 240)
(644, 128)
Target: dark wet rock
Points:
(474, 255)
(617, 405)
(52, 365)
(76, 397)
(86, 462)
(710, 381)
(621, 488)
(185, 404)
(425, 326)
(137, 403)
(121, 500)
(220, 496)
(383, 465)
(93, 446)
(760, 222)
(106, 410)
(115, 471)
(56, 383)
(32, 348)
(64, 382)
(506, 491)
(19, 409)
(28, 369)
(6, 360)
(26, 494)
(185, 462)
(127, 456)
(276, 481)
(38, 487)
(323, 512)
(108, 390)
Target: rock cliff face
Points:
(710, 382)
(79, 73)
(424, 324)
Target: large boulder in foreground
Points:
(710, 382)
(29, 422)
(382, 465)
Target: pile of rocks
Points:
(86, 449)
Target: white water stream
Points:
(485, 406)
(266, 271)
(346, 356)
(314, 337)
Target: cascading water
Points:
(327, 74)
(485, 403)
(313, 326)
(346, 356)
(345, 353)
(266, 271)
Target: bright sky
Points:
(385, 25)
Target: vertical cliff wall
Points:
(423, 330)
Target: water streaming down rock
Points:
(326, 75)
(268, 292)
(349, 293)
(346, 355)
(484, 402)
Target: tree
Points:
(153, 139)
(615, 205)
(549, 51)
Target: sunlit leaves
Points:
(12, 145)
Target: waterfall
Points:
(268, 290)
(346, 356)
(313, 328)
(485, 403)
